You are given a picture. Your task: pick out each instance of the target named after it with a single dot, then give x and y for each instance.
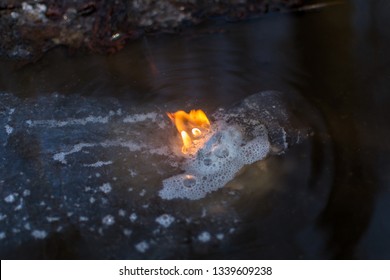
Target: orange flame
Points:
(191, 126)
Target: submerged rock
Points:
(83, 178)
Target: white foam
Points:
(108, 220)
(140, 117)
(165, 220)
(70, 122)
(133, 147)
(285, 138)
(26, 192)
(10, 198)
(220, 236)
(142, 247)
(39, 234)
(52, 219)
(83, 219)
(130, 145)
(216, 163)
(99, 164)
(2, 235)
(142, 193)
(133, 217)
(8, 129)
(162, 151)
(127, 232)
(19, 206)
(76, 148)
(106, 188)
(204, 237)
(133, 173)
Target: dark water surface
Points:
(328, 197)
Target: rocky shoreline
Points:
(30, 28)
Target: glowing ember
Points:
(192, 127)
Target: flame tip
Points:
(193, 123)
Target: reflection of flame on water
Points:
(192, 127)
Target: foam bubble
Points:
(108, 220)
(140, 117)
(127, 232)
(220, 236)
(10, 198)
(142, 247)
(165, 220)
(9, 129)
(83, 219)
(204, 237)
(106, 188)
(52, 219)
(26, 192)
(99, 164)
(39, 234)
(133, 217)
(215, 164)
(69, 122)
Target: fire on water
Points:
(192, 127)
